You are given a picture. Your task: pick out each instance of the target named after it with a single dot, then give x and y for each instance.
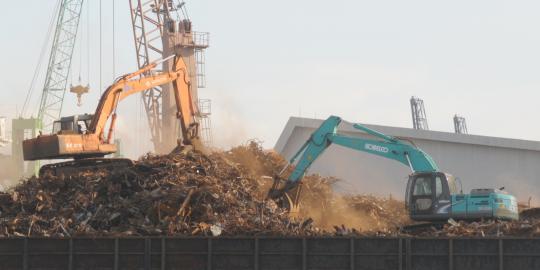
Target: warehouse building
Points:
(478, 161)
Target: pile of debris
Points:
(487, 228)
(224, 193)
(383, 214)
(178, 194)
(319, 201)
(187, 193)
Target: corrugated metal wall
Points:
(270, 253)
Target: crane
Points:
(158, 32)
(431, 195)
(88, 138)
(59, 64)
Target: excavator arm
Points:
(326, 135)
(126, 86)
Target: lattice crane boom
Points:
(147, 21)
(59, 64)
(157, 35)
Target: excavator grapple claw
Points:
(286, 194)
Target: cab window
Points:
(438, 186)
(82, 128)
(452, 184)
(422, 186)
(67, 126)
(57, 126)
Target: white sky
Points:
(268, 60)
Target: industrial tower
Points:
(460, 125)
(158, 35)
(418, 111)
(59, 64)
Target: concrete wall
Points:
(479, 161)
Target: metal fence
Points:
(270, 253)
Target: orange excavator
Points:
(88, 138)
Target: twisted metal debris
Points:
(189, 193)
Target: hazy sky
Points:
(361, 60)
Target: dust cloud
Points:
(320, 202)
(134, 138)
(9, 175)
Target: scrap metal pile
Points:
(328, 211)
(188, 193)
(177, 194)
(488, 228)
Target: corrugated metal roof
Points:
(346, 127)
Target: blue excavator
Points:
(431, 195)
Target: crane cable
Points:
(78, 43)
(113, 42)
(88, 42)
(100, 50)
(182, 7)
(80, 52)
(31, 89)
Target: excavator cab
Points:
(434, 196)
(429, 195)
(77, 124)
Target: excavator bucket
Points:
(194, 144)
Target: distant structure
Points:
(3, 136)
(160, 29)
(418, 111)
(22, 129)
(460, 125)
(205, 109)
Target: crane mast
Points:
(59, 64)
(147, 22)
(157, 35)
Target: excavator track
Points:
(75, 167)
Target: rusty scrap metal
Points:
(178, 194)
(220, 194)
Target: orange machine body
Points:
(66, 146)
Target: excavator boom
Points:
(326, 135)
